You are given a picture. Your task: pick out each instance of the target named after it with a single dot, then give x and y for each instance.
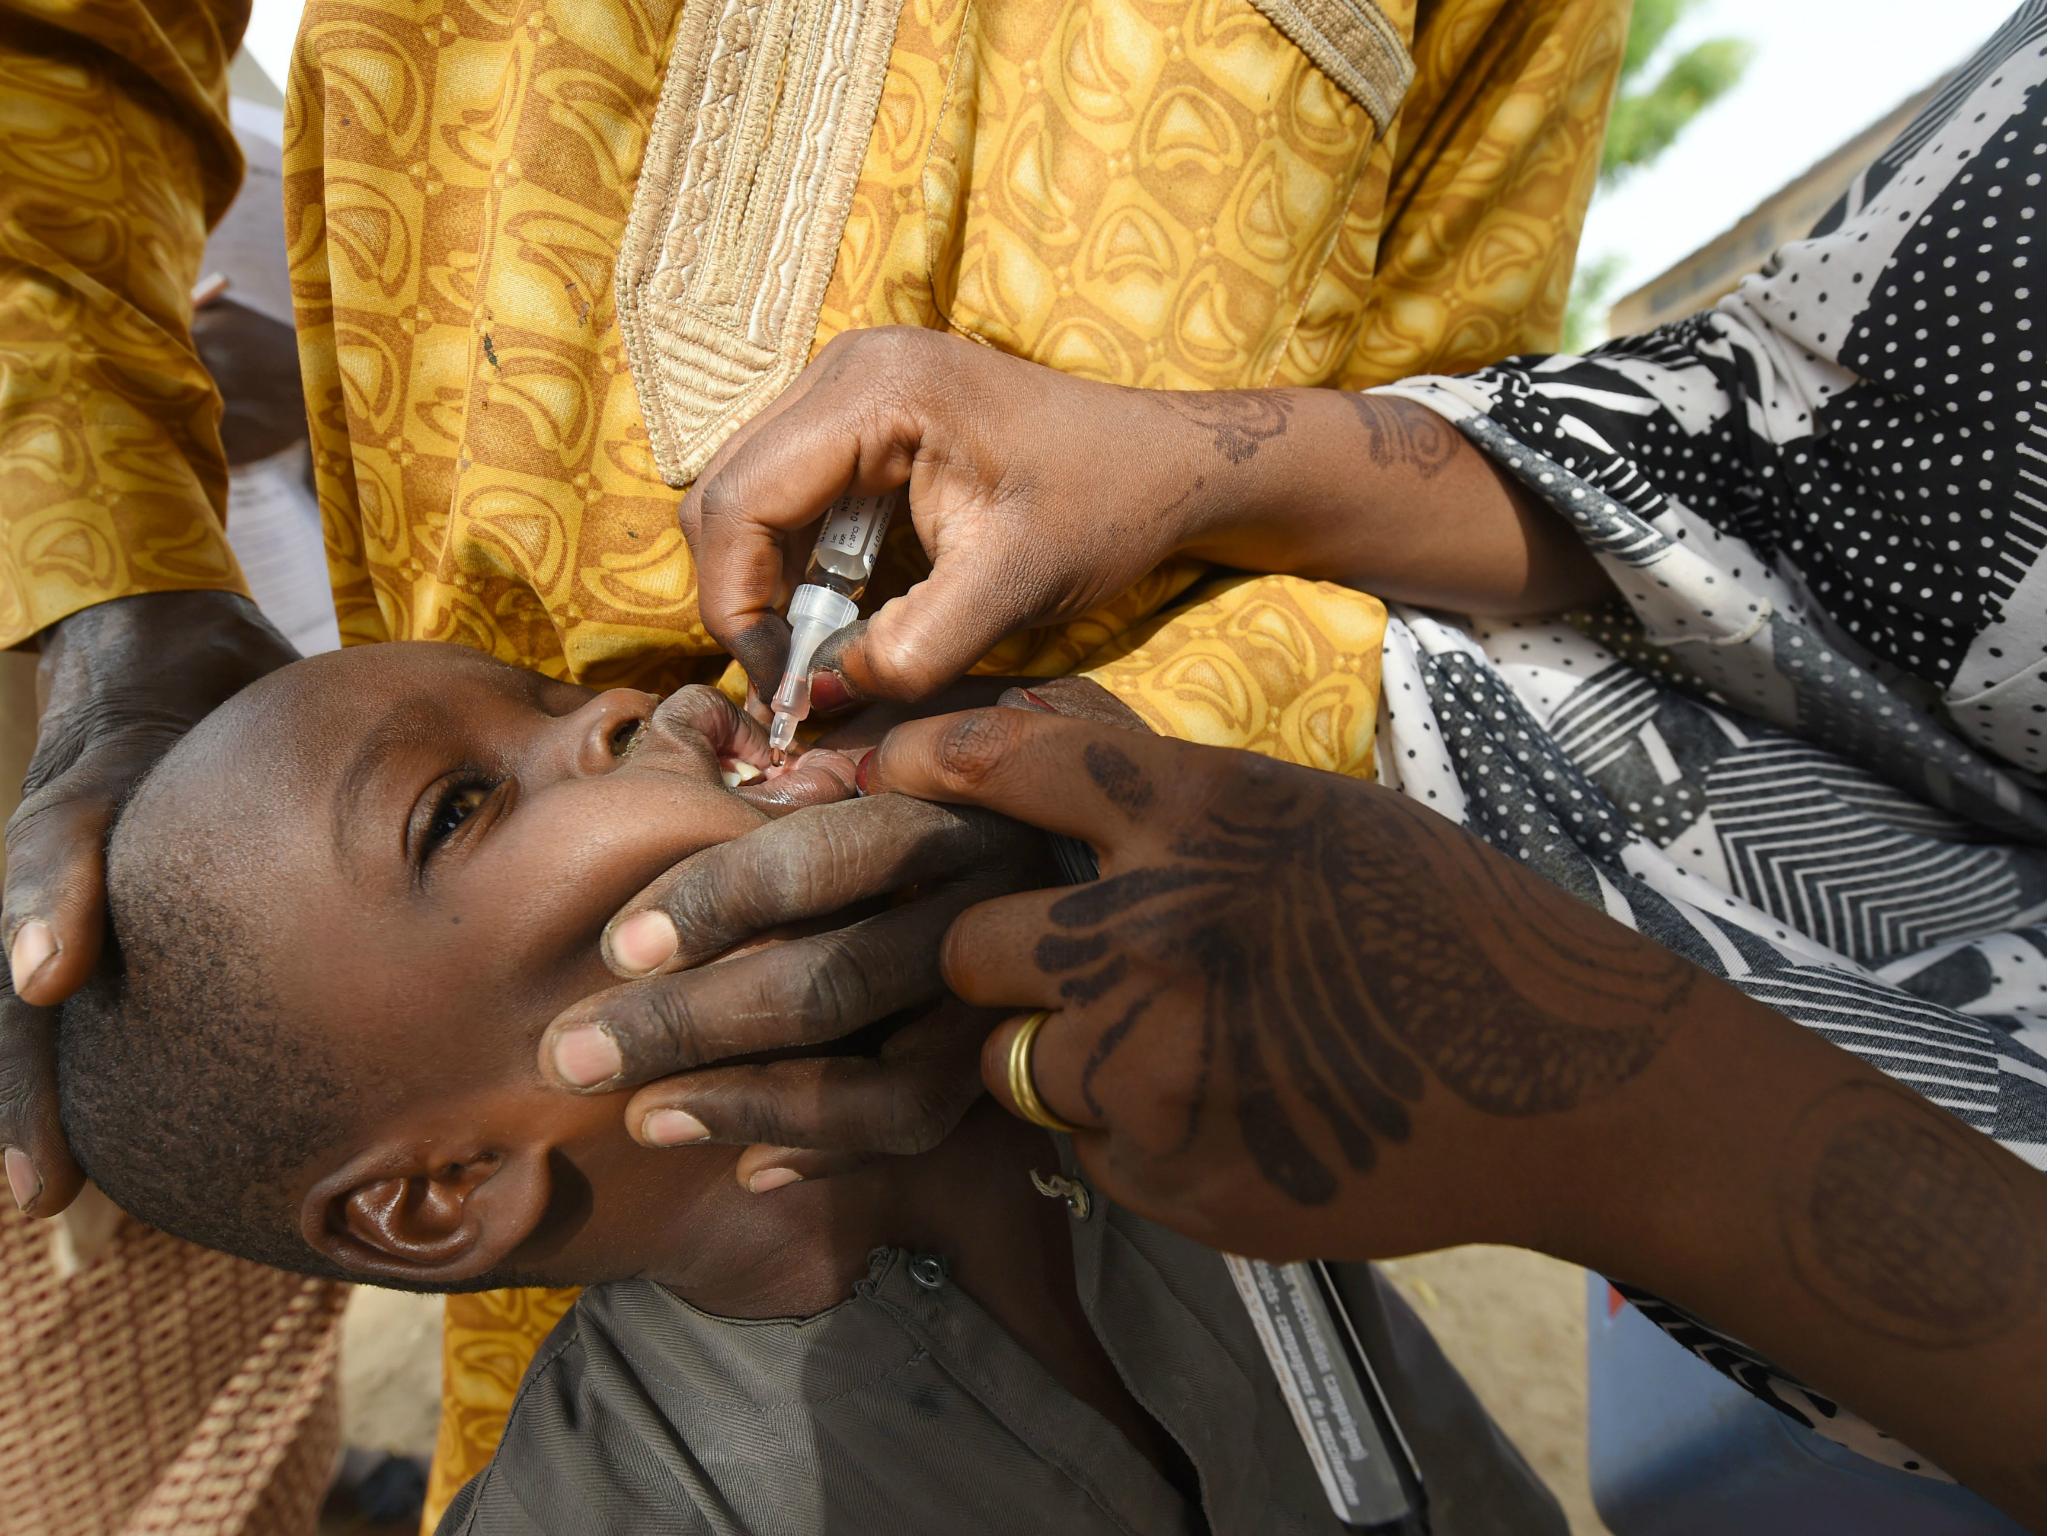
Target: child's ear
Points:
(424, 1216)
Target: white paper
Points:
(274, 528)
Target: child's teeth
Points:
(736, 774)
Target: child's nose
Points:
(600, 734)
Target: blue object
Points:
(1674, 1448)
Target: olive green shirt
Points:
(907, 1410)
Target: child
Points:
(337, 941)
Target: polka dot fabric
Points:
(1941, 437)
(1802, 744)
(1863, 426)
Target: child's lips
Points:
(822, 776)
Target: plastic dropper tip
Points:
(781, 732)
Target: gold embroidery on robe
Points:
(743, 195)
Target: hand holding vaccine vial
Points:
(828, 601)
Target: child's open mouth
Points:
(820, 776)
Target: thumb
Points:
(916, 644)
(854, 420)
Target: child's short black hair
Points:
(185, 1094)
(187, 1091)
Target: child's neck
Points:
(968, 1200)
(971, 1202)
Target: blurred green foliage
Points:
(1648, 116)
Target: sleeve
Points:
(115, 157)
(1769, 751)
(1806, 497)
(1644, 448)
(1489, 167)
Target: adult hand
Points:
(120, 681)
(1291, 997)
(820, 878)
(1302, 1016)
(1039, 497)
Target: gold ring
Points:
(1023, 1091)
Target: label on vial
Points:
(852, 533)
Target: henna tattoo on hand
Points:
(1402, 435)
(1335, 988)
(1122, 781)
(1904, 1222)
(1239, 420)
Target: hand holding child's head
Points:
(345, 907)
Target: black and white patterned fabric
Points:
(1803, 747)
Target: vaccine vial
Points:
(843, 559)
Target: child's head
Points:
(343, 910)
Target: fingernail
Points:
(1037, 702)
(673, 1128)
(23, 1182)
(772, 1178)
(864, 773)
(34, 947)
(588, 1056)
(643, 941)
(829, 693)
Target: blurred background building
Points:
(1701, 276)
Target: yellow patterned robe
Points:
(1158, 192)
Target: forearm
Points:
(1374, 492)
(1599, 1098)
(1864, 1241)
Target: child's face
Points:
(429, 845)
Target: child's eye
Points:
(457, 804)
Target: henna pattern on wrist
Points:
(1240, 421)
(1401, 435)
(1904, 1222)
(1334, 992)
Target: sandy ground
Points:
(391, 1371)
(1514, 1323)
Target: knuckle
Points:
(20, 1086)
(790, 868)
(916, 1103)
(956, 955)
(52, 845)
(834, 994)
(891, 345)
(711, 904)
(665, 1038)
(61, 741)
(26, 1081)
(718, 500)
(973, 747)
(754, 1116)
(896, 666)
(117, 733)
(917, 1121)
(826, 865)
